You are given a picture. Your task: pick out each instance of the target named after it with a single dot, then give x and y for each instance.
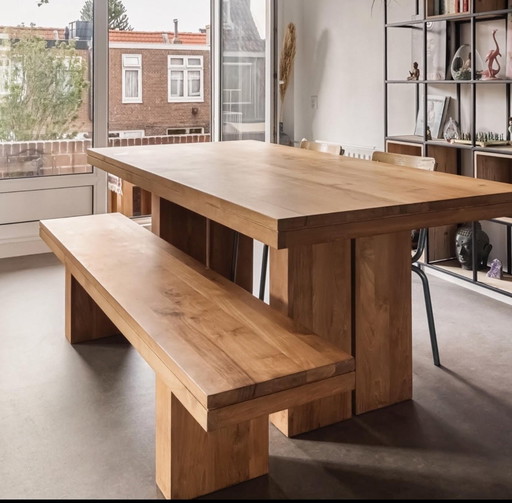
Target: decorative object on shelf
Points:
(428, 134)
(462, 61)
(483, 139)
(492, 58)
(435, 49)
(510, 127)
(496, 270)
(451, 130)
(286, 60)
(437, 107)
(464, 246)
(414, 74)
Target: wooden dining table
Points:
(339, 232)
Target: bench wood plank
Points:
(224, 360)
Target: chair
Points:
(426, 163)
(330, 148)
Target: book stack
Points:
(447, 7)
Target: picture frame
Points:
(437, 107)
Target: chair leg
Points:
(234, 255)
(430, 314)
(263, 275)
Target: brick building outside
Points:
(159, 82)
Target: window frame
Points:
(125, 68)
(185, 68)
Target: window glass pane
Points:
(132, 83)
(194, 62)
(243, 70)
(177, 84)
(4, 75)
(45, 54)
(177, 61)
(194, 83)
(129, 60)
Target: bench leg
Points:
(84, 320)
(191, 462)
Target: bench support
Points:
(84, 320)
(191, 462)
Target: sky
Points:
(145, 15)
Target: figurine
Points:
(428, 133)
(492, 56)
(496, 270)
(464, 246)
(415, 73)
(510, 127)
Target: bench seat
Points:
(223, 359)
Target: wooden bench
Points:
(223, 359)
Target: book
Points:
(437, 108)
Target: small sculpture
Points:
(510, 127)
(496, 270)
(428, 133)
(414, 74)
(490, 59)
(464, 247)
(451, 130)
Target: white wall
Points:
(340, 59)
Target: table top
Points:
(285, 196)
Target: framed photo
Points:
(437, 107)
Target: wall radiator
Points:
(358, 151)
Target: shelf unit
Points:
(415, 32)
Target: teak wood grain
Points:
(285, 196)
(219, 341)
(298, 201)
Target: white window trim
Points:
(185, 68)
(126, 99)
(128, 133)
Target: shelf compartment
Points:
(491, 166)
(480, 6)
(403, 147)
(453, 267)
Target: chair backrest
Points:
(330, 148)
(411, 161)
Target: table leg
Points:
(313, 285)
(356, 294)
(383, 321)
(205, 240)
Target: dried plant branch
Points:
(286, 60)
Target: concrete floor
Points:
(77, 422)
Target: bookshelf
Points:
(434, 34)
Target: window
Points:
(132, 78)
(4, 64)
(185, 78)
(134, 133)
(185, 130)
(238, 82)
(4, 75)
